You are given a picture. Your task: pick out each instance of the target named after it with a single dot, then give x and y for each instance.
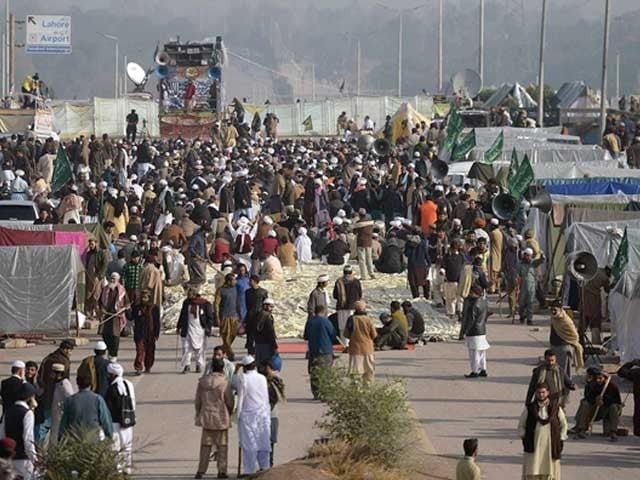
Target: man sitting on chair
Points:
(601, 402)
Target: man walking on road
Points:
(347, 291)
(254, 416)
(254, 298)
(320, 334)
(361, 332)
(194, 325)
(86, 409)
(474, 328)
(121, 401)
(146, 331)
(94, 367)
(214, 404)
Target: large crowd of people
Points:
(249, 206)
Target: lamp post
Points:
(115, 82)
(400, 13)
(605, 59)
(541, 65)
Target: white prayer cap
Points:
(100, 346)
(165, 163)
(395, 223)
(134, 209)
(342, 213)
(112, 191)
(227, 263)
(243, 220)
(163, 182)
(103, 184)
(439, 188)
(272, 233)
(195, 187)
(92, 185)
(302, 231)
(20, 172)
(270, 151)
(318, 181)
(362, 181)
(457, 221)
(268, 220)
(337, 221)
(74, 188)
(323, 278)
(519, 238)
(416, 154)
(268, 301)
(494, 221)
(411, 165)
(18, 364)
(133, 238)
(115, 369)
(247, 360)
(115, 275)
(358, 161)
(527, 251)
(166, 249)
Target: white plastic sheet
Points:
(624, 304)
(37, 285)
(597, 239)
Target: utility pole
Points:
(400, 54)
(481, 43)
(358, 67)
(5, 47)
(440, 42)
(605, 59)
(12, 52)
(124, 77)
(4, 64)
(313, 82)
(617, 76)
(543, 24)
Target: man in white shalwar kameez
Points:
(542, 428)
(254, 416)
(62, 390)
(165, 202)
(194, 325)
(303, 246)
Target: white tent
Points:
(602, 239)
(624, 305)
(515, 90)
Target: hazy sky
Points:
(512, 29)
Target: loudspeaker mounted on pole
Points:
(582, 266)
(439, 169)
(505, 206)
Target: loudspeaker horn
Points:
(439, 169)
(162, 58)
(505, 206)
(541, 201)
(162, 71)
(582, 266)
(365, 142)
(381, 147)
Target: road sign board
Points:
(48, 34)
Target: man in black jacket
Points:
(391, 259)
(474, 328)
(9, 387)
(194, 326)
(265, 335)
(254, 298)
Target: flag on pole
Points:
(515, 164)
(495, 150)
(454, 127)
(522, 178)
(308, 124)
(61, 171)
(622, 258)
(464, 146)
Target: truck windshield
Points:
(17, 212)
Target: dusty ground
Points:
(448, 406)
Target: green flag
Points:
(513, 167)
(61, 171)
(621, 260)
(454, 127)
(308, 124)
(522, 178)
(495, 150)
(464, 146)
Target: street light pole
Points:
(400, 54)
(358, 67)
(605, 59)
(440, 42)
(541, 66)
(481, 44)
(117, 61)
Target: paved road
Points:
(449, 407)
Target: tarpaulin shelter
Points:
(577, 94)
(624, 305)
(593, 186)
(514, 90)
(37, 286)
(403, 121)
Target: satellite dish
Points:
(136, 73)
(467, 83)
